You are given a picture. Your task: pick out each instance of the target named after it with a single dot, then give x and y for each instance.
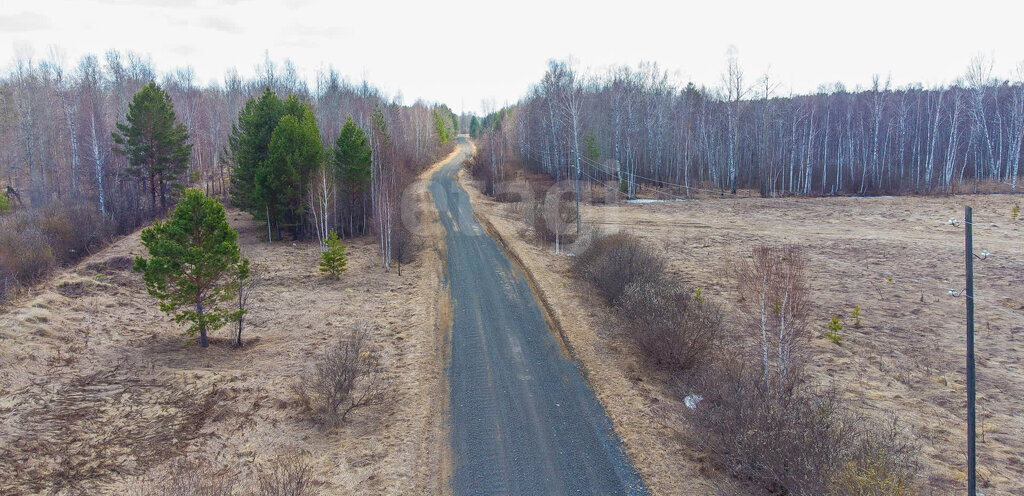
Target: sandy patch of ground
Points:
(895, 258)
(96, 386)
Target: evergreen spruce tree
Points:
(443, 136)
(474, 127)
(352, 159)
(294, 155)
(269, 177)
(249, 145)
(194, 266)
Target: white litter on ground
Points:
(691, 400)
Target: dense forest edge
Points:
(75, 173)
(636, 127)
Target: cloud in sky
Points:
(221, 24)
(464, 54)
(150, 3)
(23, 22)
(305, 36)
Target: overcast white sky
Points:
(465, 53)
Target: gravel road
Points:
(523, 419)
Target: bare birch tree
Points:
(775, 301)
(879, 140)
(573, 106)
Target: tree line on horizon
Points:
(635, 126)
(57, 119)
(98, 149)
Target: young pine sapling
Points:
(333, 260)
(834, 327)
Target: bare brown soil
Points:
(895, 258)
(98, 389)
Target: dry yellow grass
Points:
(906, 357)
(96, 387)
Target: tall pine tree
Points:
(352, 165)
(157, 149)
(474, 127)
(294, 155)
(249, 145)
(268, 180)
(441, 128)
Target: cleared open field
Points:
(895, 258)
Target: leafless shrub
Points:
(25, 255)
(33, 242)
(553, 217)
(482, 171)
(803, 440)
(779, 444)
(7, 284)
(881, 460)
(73, 229)
(600, 194)
(614, 262)
(541, 229)
(674, 327)
(188, 477)
(404, 246)
(246, 289)
(287, 475)
(586, 239)
(346, 377)
(504, 196)
(770, 429)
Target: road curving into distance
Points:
(523, 420)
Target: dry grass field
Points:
(98, 391)
(895, 258)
